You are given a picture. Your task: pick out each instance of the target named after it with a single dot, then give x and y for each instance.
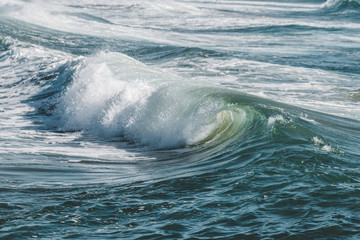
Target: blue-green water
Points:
(179, 119)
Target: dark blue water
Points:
(179, 120)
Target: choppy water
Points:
(179, 119)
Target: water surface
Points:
(179, 120)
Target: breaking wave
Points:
(341, 5)
(115, 95)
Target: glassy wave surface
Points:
(179, 119)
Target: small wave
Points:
(24, 65)
(341, 5)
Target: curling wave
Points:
(341, 5)
(115, 95)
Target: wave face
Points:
(179, 120)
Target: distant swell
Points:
(341, 5)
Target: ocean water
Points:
(194, 119)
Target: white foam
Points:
(332, 3)
(146, 21)
(322, 145)
(97, 96)
(305, 117)
(318, 141)
(277, 118)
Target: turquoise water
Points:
(179, 119)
